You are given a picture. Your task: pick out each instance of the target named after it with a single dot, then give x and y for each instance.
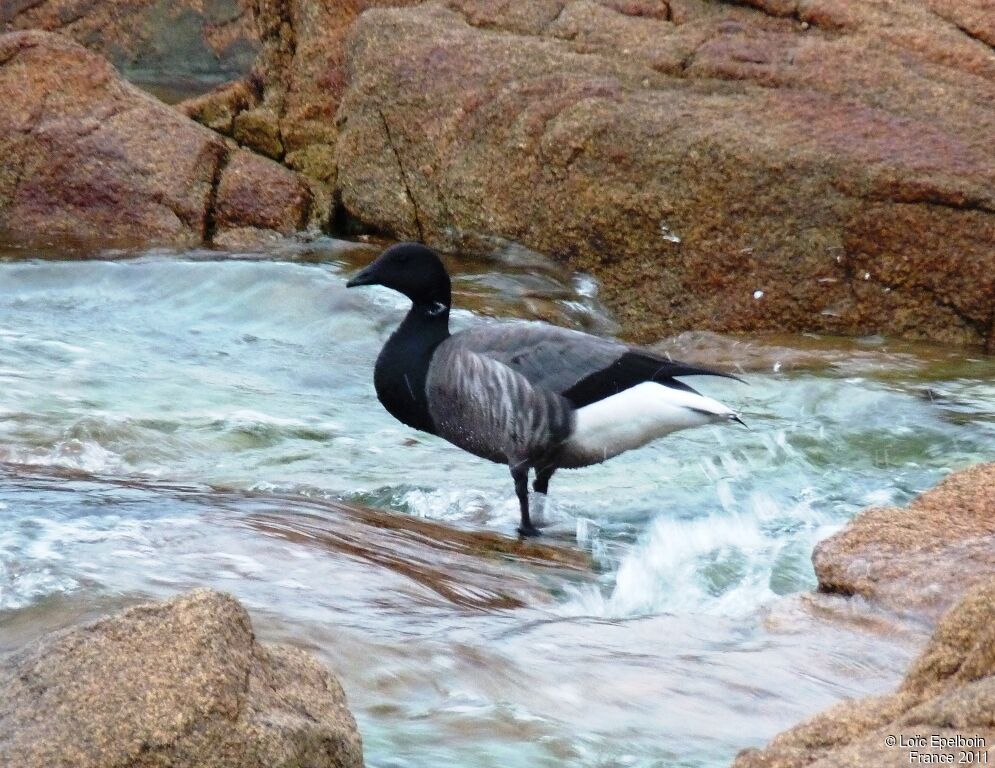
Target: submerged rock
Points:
(948, 692)
(154, 40)
(786, 167)
(178, 683)
(919, 559)
(91, 158)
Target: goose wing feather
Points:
(582, 368)
(489, 409)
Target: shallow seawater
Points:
(173, 420)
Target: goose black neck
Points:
(402, 367)
(428, 321)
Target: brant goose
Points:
(529, 395)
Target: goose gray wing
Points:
(487, 408)
(580, 367)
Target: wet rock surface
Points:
(177, 683)
(919, 559)
(948, 692)
(154, 40)
(91, 158)
(783, 167)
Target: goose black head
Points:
(412, 269)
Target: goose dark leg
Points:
(541, 484)
(520, 474)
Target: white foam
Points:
(720, 564)
(482, 508)
(23, 589)
(449, 504)
(85, 455)
(42, 555)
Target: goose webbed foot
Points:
(528, 531)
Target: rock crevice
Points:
(211, 216)
(403, 175)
